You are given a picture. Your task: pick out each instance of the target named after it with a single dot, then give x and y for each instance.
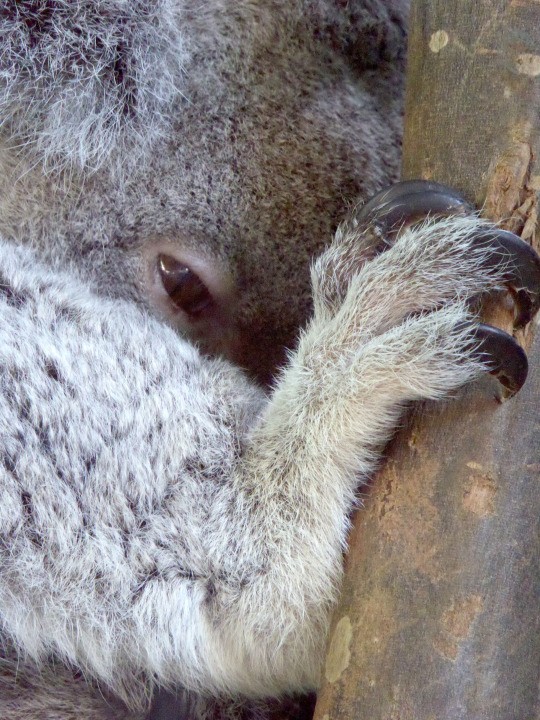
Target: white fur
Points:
(162, 520)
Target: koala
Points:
(207, 338)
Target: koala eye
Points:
(184, 287)
(192, 292)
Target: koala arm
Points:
(162, 520)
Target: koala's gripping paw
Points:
(429, 251)
(406, 203)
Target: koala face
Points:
(206, 201)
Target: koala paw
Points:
(409, 202)
(418, 247)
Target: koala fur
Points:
(275, 129)
(147, 525)
(166, 520)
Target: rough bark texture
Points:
(439, 618)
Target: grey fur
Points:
(60, 59)
(164, 520)
(275, 134)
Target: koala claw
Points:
(523, 274)
(408, 202)
(506, 359)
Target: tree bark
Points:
(439, 616)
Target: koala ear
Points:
(79, 78)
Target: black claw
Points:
(408, 202)
(523, 274)
(505, 358)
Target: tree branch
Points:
(439, 613)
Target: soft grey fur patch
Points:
(55, 692)
(81, 77)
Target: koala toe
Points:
(410, 202)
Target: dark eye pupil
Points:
(184, 287)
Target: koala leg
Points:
(165, 523)
(395, 329)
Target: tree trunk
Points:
(439, 618)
